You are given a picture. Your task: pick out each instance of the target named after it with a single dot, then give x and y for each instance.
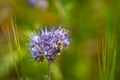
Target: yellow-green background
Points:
(88, 21)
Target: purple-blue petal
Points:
(48, 42)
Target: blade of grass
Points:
(109, 55)
(105, 70)
(112, 73)
(8, 37)
(99, 63)
(105, 57)
(16, 39)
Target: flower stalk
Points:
(49, 70)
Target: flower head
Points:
(40, 4)
(47, 44)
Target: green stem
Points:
(48, 74)
(49, 70)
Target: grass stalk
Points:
(99, 62)
(16, 39)
(112, 73)
(108, 58)
(8, 37)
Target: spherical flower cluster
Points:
(48, 44)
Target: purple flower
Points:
(40, 4)
(47, 44)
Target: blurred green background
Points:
(90, 22)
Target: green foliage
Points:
(94, 50)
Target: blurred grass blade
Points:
(16, 39)
(8, 37)
(107, 60)
(112, 73)
(99, 63)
